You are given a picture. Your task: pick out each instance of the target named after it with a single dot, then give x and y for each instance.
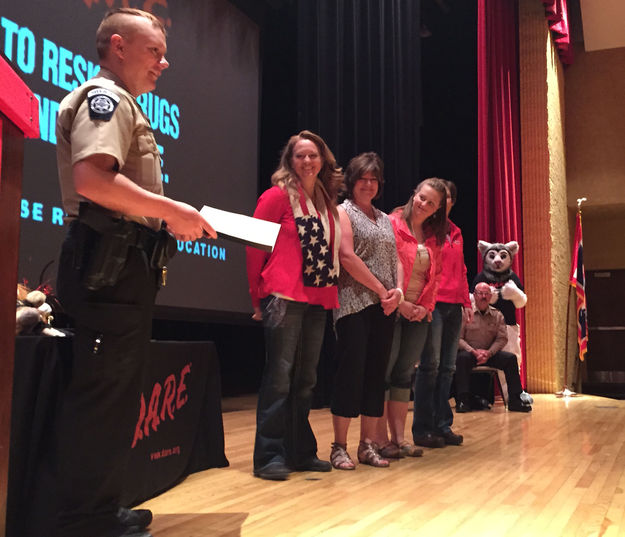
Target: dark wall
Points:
(277, 21)
(449, 131)
(278, 105)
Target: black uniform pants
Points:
(503, 360)
(99, 409)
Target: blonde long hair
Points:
(435, 224)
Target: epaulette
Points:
(102, 103)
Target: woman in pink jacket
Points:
(419, 228)
(432, 418)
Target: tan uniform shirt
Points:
(127, 136)
(487, 331)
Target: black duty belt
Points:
(116, 236)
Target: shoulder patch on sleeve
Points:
(102, 103)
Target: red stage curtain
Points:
(499, 177)
(557, 14)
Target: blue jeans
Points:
(293, 338)
(432, 412)
(408, 341)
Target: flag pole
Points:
(565, 391)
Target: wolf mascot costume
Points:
(507, 289)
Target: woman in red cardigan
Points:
(432, 418)
(419, 228)
(291, 289)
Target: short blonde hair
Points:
(117, 21)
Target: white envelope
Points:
(240, 228)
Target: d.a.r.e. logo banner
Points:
(168, 406)
(169, 410)
(165, 401)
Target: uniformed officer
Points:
(109, 165)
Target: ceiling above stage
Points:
(604, 24)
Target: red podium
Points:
(19, 119)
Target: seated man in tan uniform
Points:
(480, 343)
(110, 269)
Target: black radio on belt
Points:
(107, 247)
(164, 249)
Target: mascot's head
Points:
(498, 258)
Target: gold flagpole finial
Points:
(579, 202)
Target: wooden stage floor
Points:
(559, 470)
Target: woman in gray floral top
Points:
(364, 324)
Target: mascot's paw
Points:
(511, 292)
(494, 296)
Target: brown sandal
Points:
(410, 450)
(391, 451)
(339, 457)
(368, 454)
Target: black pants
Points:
(96, 422)
(503, 360)
(364, 341)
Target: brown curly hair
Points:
(330, 176)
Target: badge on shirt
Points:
(102, 103)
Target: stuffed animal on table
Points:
(33, 315)
(507, 288)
